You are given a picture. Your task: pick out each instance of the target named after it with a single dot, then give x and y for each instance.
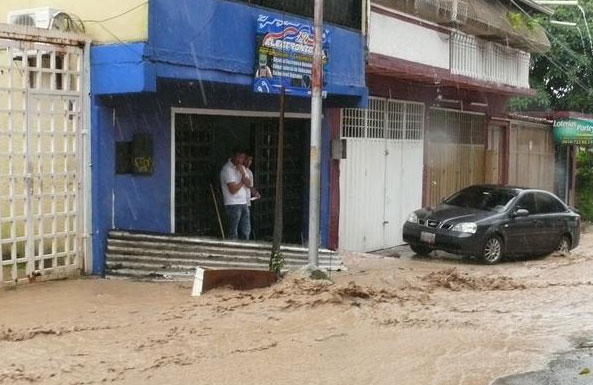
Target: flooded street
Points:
(389, 319)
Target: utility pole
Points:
(315, 156)
(279, 181)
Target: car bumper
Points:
(446, 240)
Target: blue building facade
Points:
(180, 100)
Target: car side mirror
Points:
(521, 213)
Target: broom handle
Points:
(217, 212)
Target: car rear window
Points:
(548, 204)
(482, 198)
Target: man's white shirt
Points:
(249, 175)
(230, 174)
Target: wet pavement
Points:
(572, 368)
(438, 320)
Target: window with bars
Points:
(384, 119)
(448, 126)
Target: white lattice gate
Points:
(42, 148)
(381, 178)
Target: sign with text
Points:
(573, 131)
(284, 56)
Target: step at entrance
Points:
(174, 257)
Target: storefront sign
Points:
(284, 56)
(573, 131)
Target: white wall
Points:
(403, 40)
(114, 20)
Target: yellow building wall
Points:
(128, 18)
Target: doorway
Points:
(495, 154)
(202, 143)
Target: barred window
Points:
(448, 126)
(384, 119)
(414, 121)
(395, 119)
(376, 118)
(353, 123)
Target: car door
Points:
(550, 220)
(520, 232)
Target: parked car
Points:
(491, 222)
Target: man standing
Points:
(235, 187)
(252, 191)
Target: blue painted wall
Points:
(143, 202)
(102, 159)
(218, 37)
(120, 69)
(200, 54)
(212, 41)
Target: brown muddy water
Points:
(440, 320)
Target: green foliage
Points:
(585, 184)
(531, 22)
(540, 102)
(518, 20)
(277, 262)
(563, 76)
(515, 19)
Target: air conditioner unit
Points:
(34, 17)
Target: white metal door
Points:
(403, 187)
(362, 194)
(381, 179)
(41, 173)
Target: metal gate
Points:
(455, 155)
(194, 169)
(265, 133)
(381, 179)
(42, 147)
(531, 155)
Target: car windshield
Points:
(482, 198)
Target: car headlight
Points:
(466, 227)
(413, 218)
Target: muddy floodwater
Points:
(390, 319)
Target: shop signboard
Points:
(573, 131)
(284, 56)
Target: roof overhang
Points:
(438, 77)
(535, 6)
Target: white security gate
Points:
(42, 148)
(381, 179)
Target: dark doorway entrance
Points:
(203, 144)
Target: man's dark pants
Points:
(239, 221)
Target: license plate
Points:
(427, 237)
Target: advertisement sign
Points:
(573, 131)
(284, 56)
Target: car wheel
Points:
(563, 245)
(492, 252)
(420, 250)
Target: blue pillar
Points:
(103, 166)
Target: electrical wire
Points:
(117, 16)
(554, 62)
(125, 44)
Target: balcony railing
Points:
(488, 61)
